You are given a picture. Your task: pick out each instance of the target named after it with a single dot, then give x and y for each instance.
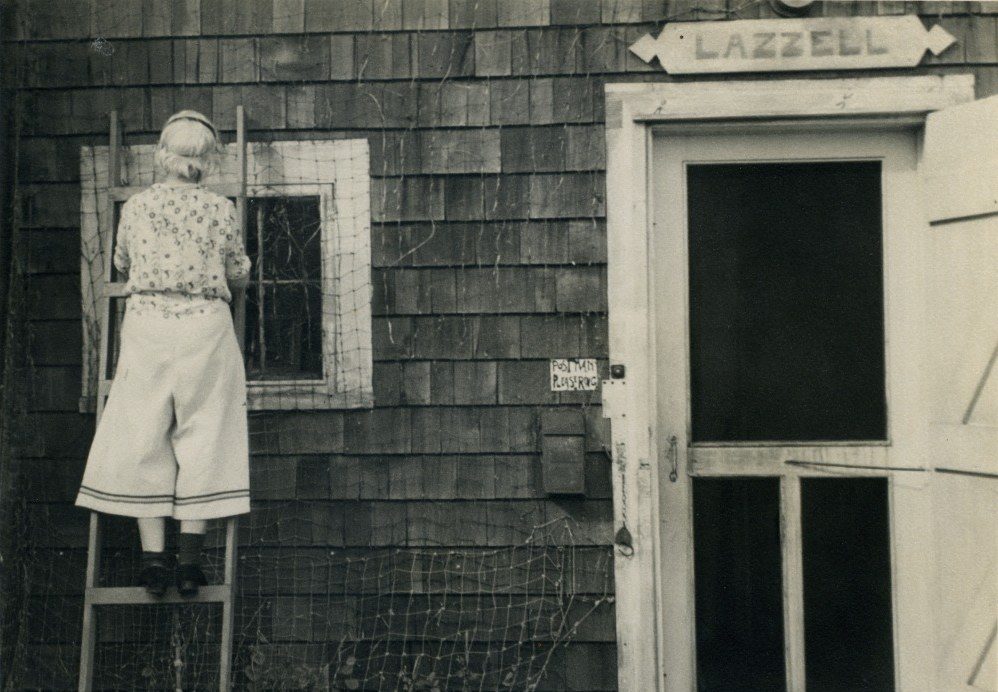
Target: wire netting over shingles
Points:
(426, 220)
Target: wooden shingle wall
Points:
(485, 122)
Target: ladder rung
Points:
(137, 595)
(123, 192)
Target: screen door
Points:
(780, 408)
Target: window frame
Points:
(338, 172)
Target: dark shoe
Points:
(189, 578)
(155, 574)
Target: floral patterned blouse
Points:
(179, 245)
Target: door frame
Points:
(635, 113)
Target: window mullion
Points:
(793, 581)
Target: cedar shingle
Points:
(542, 101)
(424, 15)
(378, 431)
(344, 478)
(496, 243)
(474, 382)
(586, 148)
(207, 61)
(522, 430)
(587, 241)
(533, 149)
(57, 20)
(56, 342)
(50, 161)
(300, 105)
(161, 105)
(507, 197)
(550, 336)
(442, 383)
(341, 56)
(442, 337)
(443, 290)
(344, 15)
(405, 478)
(439, 477)
(110, 19)
(525, 382)
(412, 291)
(464, 198)
(595, 336)
(288, 16)
(547, 51)
(312, 478)
(450, 54)
(567, 195)
(160, 61)
(493, 53)
(573, 98)
(621, 11)
(416, 383)
(388, 523)
(562, 421)
(575, 12)
(54, 251)
(473, 14)
(581, 289)
(198, 98)
(460, 151)
(392, 337)
(387, 381)
(524, 13)
(373, 477)
(293, 58)
(54, 389)
(516, 477)
(460, 427)
(510, 102)
(237, 60)
(497, 337)
(982, 40)
(387, 15)
(475, 477)
(60, 64)
(544, 243)
(407, 199)
(385, 56)
(427, 433)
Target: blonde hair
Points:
(188, 146)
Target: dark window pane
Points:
(116, 217)
(291, 345)
(739, 584)
(786, 302)
(284, 310)
(290, 234)
(847, 585)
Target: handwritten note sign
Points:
(574, 375)
(823, 43)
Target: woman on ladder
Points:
(173, 438)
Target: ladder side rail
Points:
(88, 643)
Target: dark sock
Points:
(189, 548)
(148, 557)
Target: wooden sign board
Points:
(822, 43)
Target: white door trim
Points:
(631, 403)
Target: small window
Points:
(307, 338)
(284, 297)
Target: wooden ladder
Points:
(94, 594)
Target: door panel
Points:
(786, 350)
